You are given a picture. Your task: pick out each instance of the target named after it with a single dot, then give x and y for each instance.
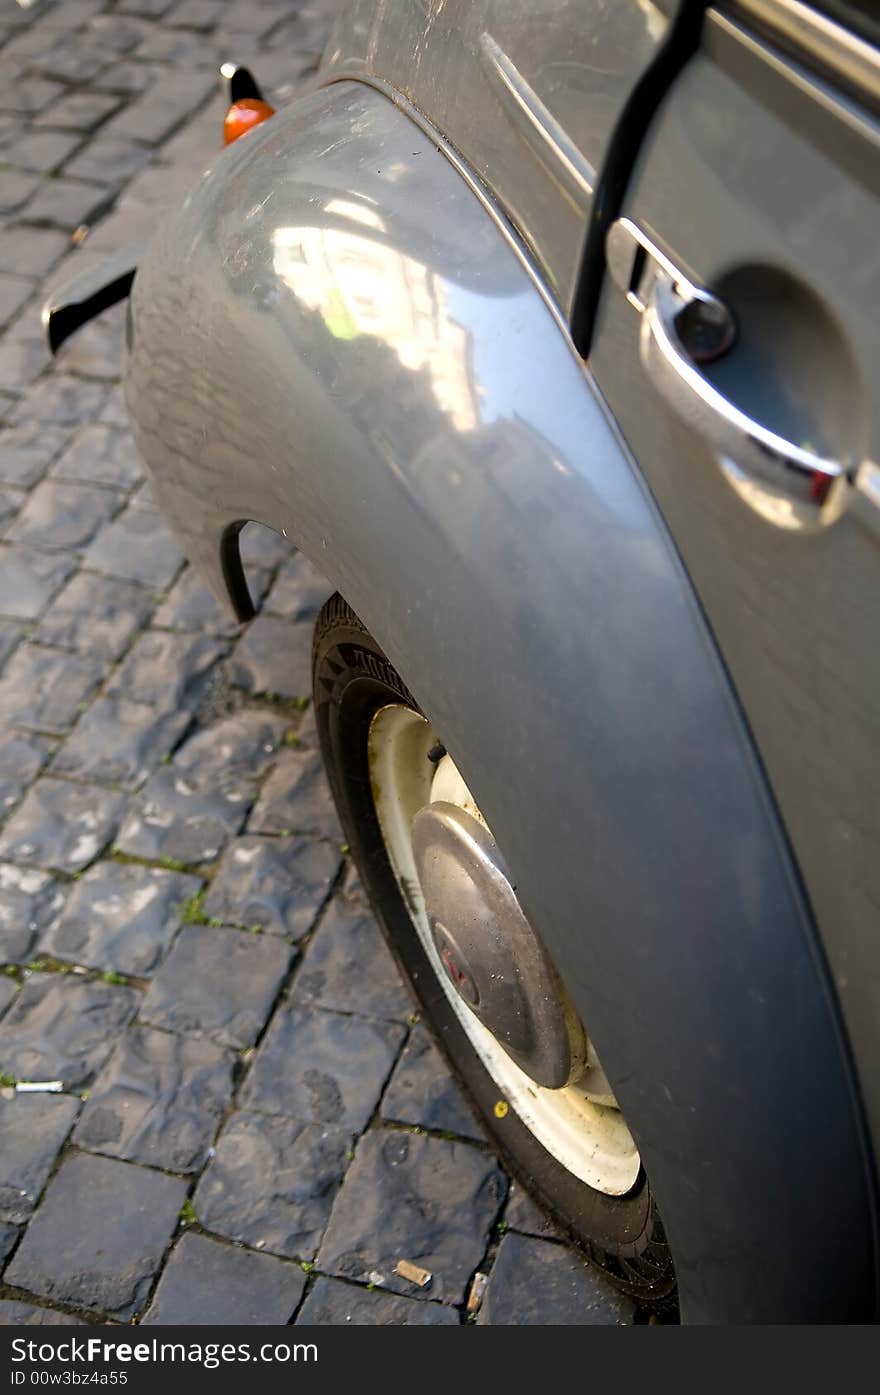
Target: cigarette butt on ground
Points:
(413, 1273)
(31, 1087)
(478, 1288)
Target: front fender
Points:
(335, 339)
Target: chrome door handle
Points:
(791, 486)
(682, 325)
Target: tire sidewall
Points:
(353, 680)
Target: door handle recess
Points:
(683, 325)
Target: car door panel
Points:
(760, 182)
(528, 91)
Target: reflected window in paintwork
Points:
(363, 287)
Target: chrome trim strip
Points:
(818, 38)
(537, 126)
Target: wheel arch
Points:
(332, 338)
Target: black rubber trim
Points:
(233, 573)
(678, 46)
(64, 320)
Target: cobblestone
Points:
(29, 901)
(335, 1304)
(13, 1314)
(32, 1130)
(58, 1257)
(121, 918)
(422, 1091)
(190, 810)
(95, 615)
(33, 251)
(8, 1238)
(173, 818)
(61, 400)
(416, 1198)
(522, 1214)
(273, 657)
(108, 160)
(21, 756)
(218, 982)
(26, 451)
(166, 671)
(191, 606)
(10, 503)
(60, 824)
(136, 546)
(278, 884)
(119, 742)
(29, 579)
(299, 590)
(535, 1282)
(162, 107)
(8, 990)
(66, 203)
(322, 1066)
(61, 1028)
(100, 455)
(159, 1101)
(78, 111)
(30, 96)
(300, 1167)
(348, 968)
(63, 515)
(240, 747)
(45, 689)
(10, 634)
(297, 799)
(208, 1282)
(23, 356)
(42, 151)
(15, 189)
(96, 350)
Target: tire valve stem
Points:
(436, 753)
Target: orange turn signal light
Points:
(243, 116)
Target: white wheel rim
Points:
(588, 1138)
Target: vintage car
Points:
(548, 331)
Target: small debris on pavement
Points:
(413, 1273)
(478, 1289)
(33, 1087)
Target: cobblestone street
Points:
(254, 1125)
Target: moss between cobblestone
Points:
(193, 912)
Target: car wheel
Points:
(440, 890)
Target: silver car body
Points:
(355, 331)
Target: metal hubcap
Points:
(489, 951)
(496, 976)
(458, 970)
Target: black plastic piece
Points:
(86, 296)
(623, 148)
(242, 84)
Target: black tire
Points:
(352, 679)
